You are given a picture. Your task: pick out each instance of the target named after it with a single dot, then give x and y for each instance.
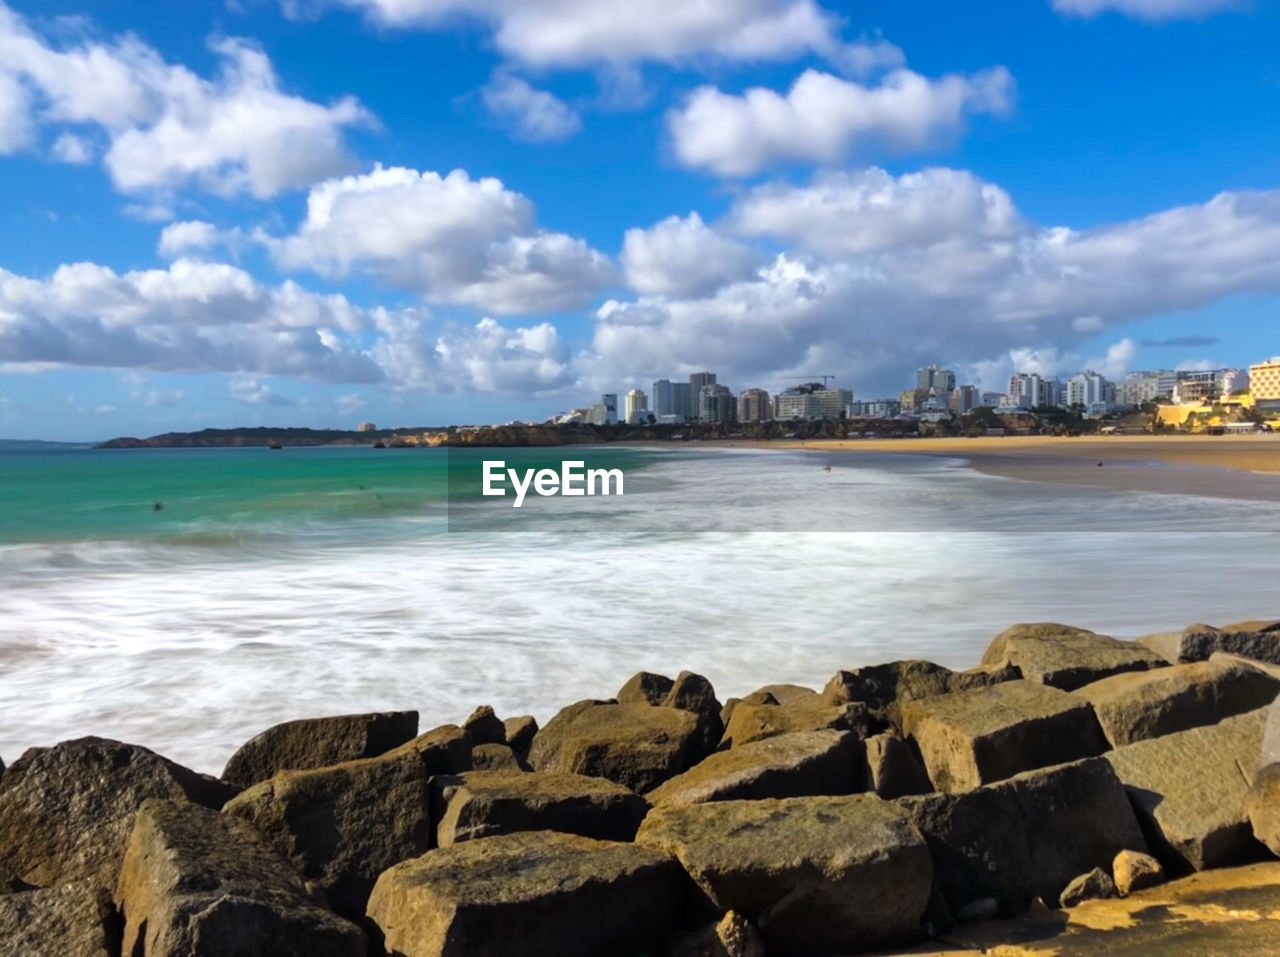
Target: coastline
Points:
(1235, 467)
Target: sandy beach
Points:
(1242, 467)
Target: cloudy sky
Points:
(316, 212)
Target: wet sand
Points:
(1228, 466)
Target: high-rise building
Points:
(715, 404)
(1264, 381)
(911, 399)
(605, 412)
(696, 382)
(813, 400)
(636, 405)
(671, 401)
(1140, 387)
(965, 398)
(1030, 390)
(1092, 391)
(935, 379)
(754, 405)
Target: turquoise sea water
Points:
(280, 584)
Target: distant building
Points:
(671, 399)
(812, 400)
(965, 398)
(995, 400)
(716, 404)
(1264, 381)
(696, 382)
(1140, 387)
(1091, 390)
(637, 407)
(911, 399)
(754, 405)
(936, 379)
(605, 412)
(366, 427)
(1030, 390)
(875, 409)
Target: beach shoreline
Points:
(1235, 467)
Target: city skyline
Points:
(337, 211)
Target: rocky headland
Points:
(1071, 794)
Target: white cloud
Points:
(978, 285)
(177, 239)
(683, 257)
(534, 116)
(1152, 10)
(583, 33)
(254, 391)
(166, 126)
(149, 212)
(73, 149)
(451, 238)
(823, 118)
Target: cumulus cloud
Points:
(823, 118)
(254, 391)
(683, 257)
(973, 285)
(164, 125)
(1153, 10)
(583, 33)
(534, 116)
(178, 239)
(451, 238)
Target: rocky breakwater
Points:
(899, 804)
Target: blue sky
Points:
(317, 212)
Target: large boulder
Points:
(497, 757)
(71, 920)
(483, 726)
(1262, 805)
(1189, 789)
(1066, 657)
(693, 693)
(788, 765)
(1259, 640)
(755, 722)
(1147, 704)
(484, 803)
(637, 746)
(343, 825)
(893, 769)
(66, 811)
(520, 732)
(531, 894)
(1025, 837)
(816, 875)
(645, 687)
(317, 743)
(195, 882)
(884, 688)
(975, 737)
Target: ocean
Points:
(273, 585)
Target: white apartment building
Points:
(636, 405)
(1091, 390)
(1030, 390)
(605, 412)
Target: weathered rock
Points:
(71, 920)
(195, 882)
(1025, 837)
(975, 737)
(1135, 871)
(485, 727)
(497, 757)
(1259, 640)
(645, 687)
(520, 733)
(1095, 885)
(66, 811)
(1189, 790)
(884, 688)
(342, 826)
(787, 765)
(484, 803)
(1262, 805)
(693, 693)
(732, 936)
(893, 769)
(637, 746)
(984, 908)
(532, 894)
(816, 875)
(1066, 657)
(754, 722)
(317, 743)
(1138, 705)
